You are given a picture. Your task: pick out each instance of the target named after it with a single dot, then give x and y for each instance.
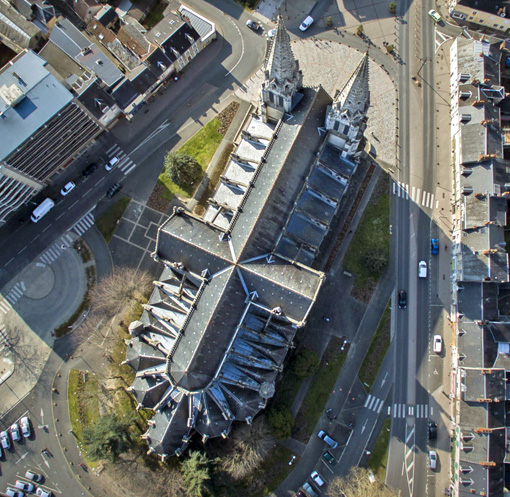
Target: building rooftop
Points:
(29, 96)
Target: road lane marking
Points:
(24, 248)
(242, 47)
(56, 219)
(47, 228)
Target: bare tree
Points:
(120, 290)
(360, 482)
(250, 445)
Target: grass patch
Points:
(369, 252)
(82, 390)
(201, 146)
(108, 221)
(377, 350)
(320, 389)
(379, 456)
(155, 14)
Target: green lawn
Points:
(371, 243)
(107, 222)
(377, 350)
(320, 389)
(202, 146)
(379, 456)
(275, 469)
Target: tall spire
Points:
(282, 77)
(281, 64)
(354, 97)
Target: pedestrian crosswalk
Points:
(126, 165)
(374, 404)
(420, 411)
(15, 293)
(52, 253)
(83, 224)
(418, 196)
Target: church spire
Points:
(282, 77)
(354, 97)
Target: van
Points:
(324, 436)
(422, 269)
(111, 164)
(42, 209)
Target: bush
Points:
(281, 422)
(182, 169)
(305, 363)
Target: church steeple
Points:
(346, 118)
(282, 77)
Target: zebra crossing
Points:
(420, 411)
(374, 404)
(15, 293)
(56, 250)
(83, 224)
(418, 196)
(126, 165)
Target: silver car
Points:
(5, 441)
(14, 429)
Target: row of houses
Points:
(481, 291)
(54, 103)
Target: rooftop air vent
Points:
(465, 94)
(465, 118)
(463, 77)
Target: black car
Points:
(113, 190)
(432, 430)
(402, 299)
(89, 170)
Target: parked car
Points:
(422, 269)
(317, 479)
(437, 344)
(42, 492)
(89, 170)
(253, 24)
(432, 430)
(306, 23)
(5, 440)
(14, 429)
(324, 436)
(435, 16)
(308, 489)
(30, 475)
(25, 427)
(432, 459)
(68, 187)
(113, 190)
(25, 486)
(111, 163)
(434, 246)
(13, 492)
(328, 456)
(402, 299)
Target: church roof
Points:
(354, 97)
(281, 64)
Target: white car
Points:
(32, 476)
(14, 429)
(437, 344)
(306, 23)
(42, 492)
(435, 16)
(5, 441)
(25, 427)
(25, 486)
(316, 477)
(111, 164)
(12, 492)
(433, 459)
(68, 187)
(422, 269)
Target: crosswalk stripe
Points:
(10, 299)
(368, 400)
(5, 307)
(127, 170)
(372, 402)
(412, 193)
(431, 201)
(380, 407)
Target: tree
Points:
(329, 21)
(182, 169)
(359, 31)
(195, 470)
(250, 445)
(357, 484)
(120, 290)
(305, 363)
(392, 7)
(281, 421)
(376, 261)
(108, 438)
